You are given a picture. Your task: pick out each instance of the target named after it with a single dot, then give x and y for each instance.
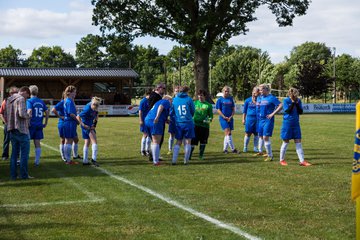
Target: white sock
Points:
(67, 152)
(268, 148)
(300, 152)
(283, 150)
(75, 149)
(148, 143)
(155, 149)
(94, 148)
(85, 154)
(171, 143)
(143, 143)
(37, 155)
(176, 151)
(261, 144)
(231, 144)
(187, 151)
(256, 142)
(246, 141)
(226, 143)
(61, 148)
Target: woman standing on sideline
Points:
(291, 126)
(88, 119)
(70, 122)
(250, 120)
(269, 105)
(225, 106)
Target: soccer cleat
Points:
(86, 164)
(77, 157)
(143, 153)
(71, 163)
(245, 149)
(258, 154)
(225, 152)
(173, 163)
(186, 163)
(63, 159)
(305, 164)
(268, 159)
(94, 162)
(256, 150)
(156, 164)
(283, 163)
(5, 158)
(235, 151)
(169, 152)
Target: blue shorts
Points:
(266, 127)
(36, 132)
(70, 129)
(143, 128)
(154, 129)
(251, 125)
(185, 131)
(290, 131)
(225, 124)
(172, 127)
(61, 130)
(86, 132)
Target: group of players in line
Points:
(189, 122)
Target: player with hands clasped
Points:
(291, 126)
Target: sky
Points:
(29, 24)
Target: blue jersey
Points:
(144, 107)
(59, 107)
(38, 108)
(69, 108)
(267, 105)
(250, 108)
(88, 115)
(153, 111)
(225, 105)
(292, 116)
(183, 108)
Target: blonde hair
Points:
(34, 90)
(225, 88)
(264, 86)
(167, 97)
(293, 92)
(69, 89)
(255, 89)
(95, 100)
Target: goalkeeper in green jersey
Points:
(202, 118)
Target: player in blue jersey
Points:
(88, 119)
(70, 122)
(143, 111)
(291, 126)
(172, 127)
(226, 109)
(155, 125)
(183, 108)
(250, 120)
(58, 110)
(269, 105)
(36, 109)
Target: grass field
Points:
(240, 196)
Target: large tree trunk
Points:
(201, 68)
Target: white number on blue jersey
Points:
(39, 112)
(182, 110)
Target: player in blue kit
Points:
(36, 109)
(143, 111)
(172, 126)
(226, 109)
(269, 105)
(183, 108)
(88, 120)
(250, 120)
(291, 126)
(155, 125)
(70, 122)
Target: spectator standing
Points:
(18, 125)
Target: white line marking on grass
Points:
(207, 218)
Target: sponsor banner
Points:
(347, 107)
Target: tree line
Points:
(311, 67)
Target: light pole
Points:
(334, 74)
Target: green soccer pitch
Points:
(221, 197)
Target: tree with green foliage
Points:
(199, 24)
(10, 57)
(90, 52)
(50, 57)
